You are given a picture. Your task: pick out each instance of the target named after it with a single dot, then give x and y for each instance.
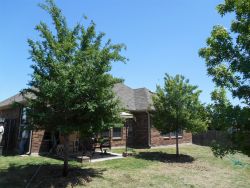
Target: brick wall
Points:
(158, 140)
(138, 136)
(40, 145)
(12, 113)
(140, 130)
(37, 144)
(118, 141)
(10, 138)
(122, 141)
(72, 139)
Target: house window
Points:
(173, 134)
(117, 132)
(105, 134)
(165, 135)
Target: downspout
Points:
(30, 142)
(149, 130)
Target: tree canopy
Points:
(71, 80)
(227, 53)
(219, 110)
(232, 120)
(227, 57)
(177, 107)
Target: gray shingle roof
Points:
(7, 103)
(131, 99)
(126, 96)
(134, 99)
(143, 99)
(16, 98)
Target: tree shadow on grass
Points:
(48, 175)
(164, 157)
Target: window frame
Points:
(166, 135)
(171, 135)
(117, 137)
(180, 134)
(106, 133)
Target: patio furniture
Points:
(59, 150)
(104, 144)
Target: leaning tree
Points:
(177, 107)
(71, 83)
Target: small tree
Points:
(219, 110)
(177, 107)
(71, 81)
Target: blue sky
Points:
(161, 36)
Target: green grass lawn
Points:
(197, 167)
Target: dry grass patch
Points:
(197, 167)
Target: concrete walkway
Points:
(117, 156)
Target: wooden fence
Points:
(205, 139)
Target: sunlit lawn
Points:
(148, 168)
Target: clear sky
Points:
(162, 36)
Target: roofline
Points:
(142, 110)
(9, 106)
(8, 103)
(12, 100)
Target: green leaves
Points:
(219, 110)
(177, 107)
(178, 102)
(73, 87)
(233, 121)
(227, 57)
(227, 54)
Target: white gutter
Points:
(30, 142)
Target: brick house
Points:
(141, 132)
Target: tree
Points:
(177, 107)
(227, 57)
(233, 121)
(235, 125)
(219, 110)
(227, 54)
(71, 83)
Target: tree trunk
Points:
(177, 143)
(176, 135)
(126, 137)
(66, 155)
